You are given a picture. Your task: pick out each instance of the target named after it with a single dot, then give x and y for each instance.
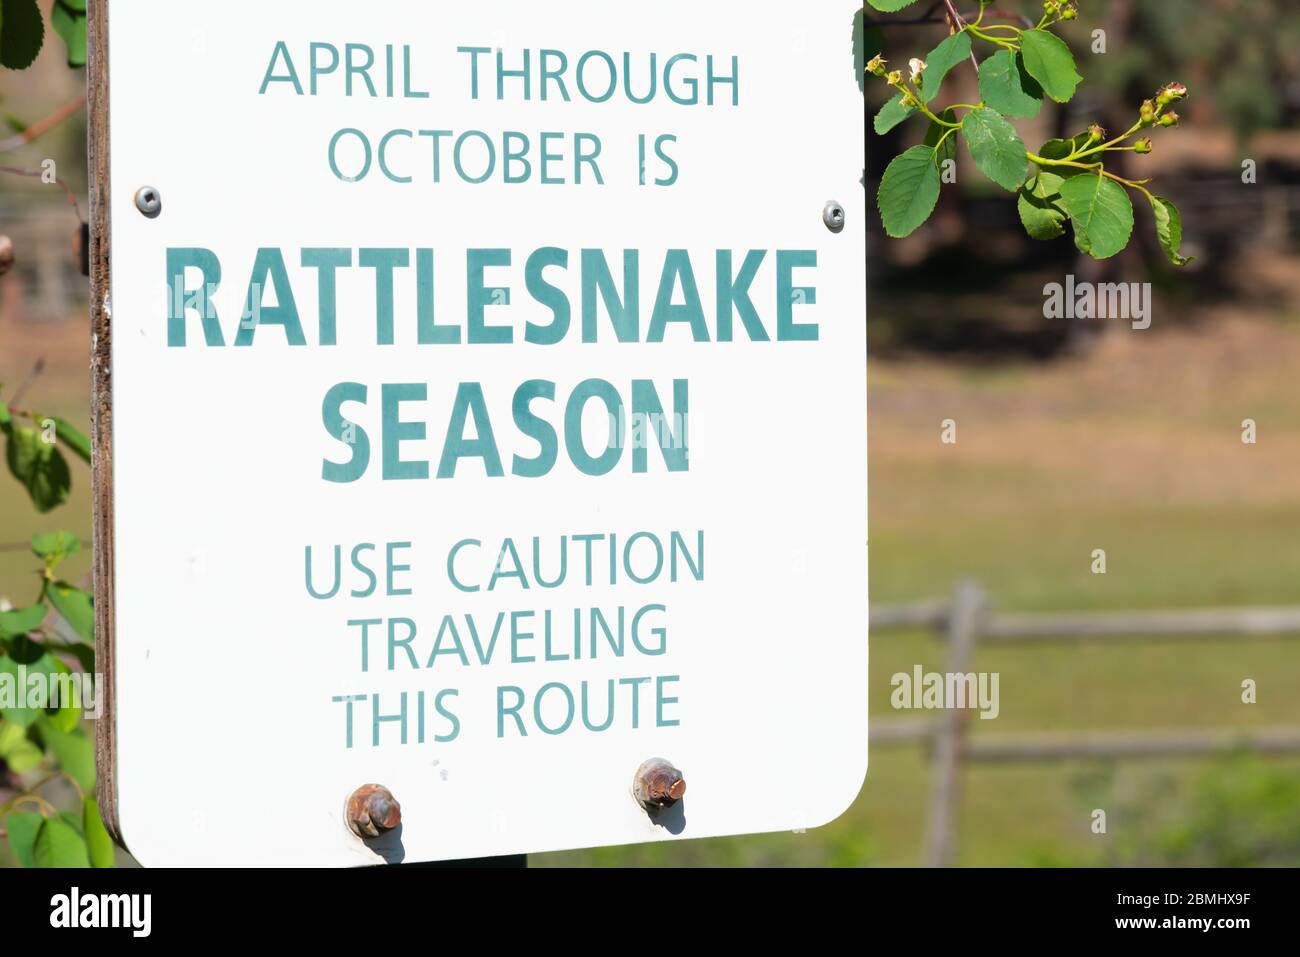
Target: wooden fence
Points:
(966, 620)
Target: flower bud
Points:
(1142, 146)
(1171, 93)
(877, 65)
(1169, 119)
(917, 67)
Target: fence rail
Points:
(965, 621)
(1139, 625)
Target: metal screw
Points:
(149, 201)
(833, 216)
(373, 809)
(658, 785)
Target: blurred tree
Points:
(1244, 77)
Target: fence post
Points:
(963, 625)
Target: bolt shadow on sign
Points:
(481, 425)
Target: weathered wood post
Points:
(964, 619)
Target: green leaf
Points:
(75, 606)
(890, 6)
(59, 845)
(70, 23)
(24, 650)
(936, 133)
(11, 735)
(908, 191)
(1060, 149)
(67, 715)
(100, 845)
(1169, 229)
(941, 61)
(1007, 87)
(1101, 212)
(54, 547)
(997, 148)
(23, 827)
(74, 751)
(891, 114)
(1049, 61)
(21, 33)
(15, 689)
(85, 655)
(24, 757)
(1040, 206)
(39, 466)
(18, 752)
(20, 621)
(72, 437)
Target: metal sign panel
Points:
(481, 413)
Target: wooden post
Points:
(945, 783)
(101, 408)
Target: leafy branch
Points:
(42, 739)
(35, 723)
(1064, 179)
(37, 727)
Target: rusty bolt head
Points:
(372, 809)
(6, 254)
(658, 785)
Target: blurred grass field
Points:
(1136, 449)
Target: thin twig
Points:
(928, 18)
(43, 126)
(22, 413)
(32, 376)
(959, 24)
(36, 799)
(40, 173)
